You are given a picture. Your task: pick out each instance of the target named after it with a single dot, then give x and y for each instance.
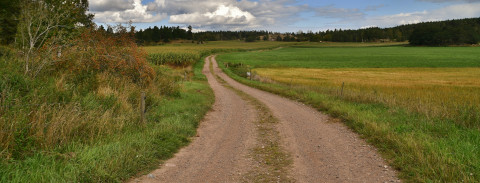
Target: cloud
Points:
(229, 14)
(340, 13)
(121, 11)
(226, 15)
(458, 11)
(205, 14)
(374, 8)
(110, 5)
(267, 14)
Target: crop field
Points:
(440, 82)
(325, 56)
(183, 54)
(452, 93)
(419, 105)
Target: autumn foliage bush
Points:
(116, 53)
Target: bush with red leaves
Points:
(97, 50)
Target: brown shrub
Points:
(115, 53)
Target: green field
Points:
(418, 105)
(184, 54)
(360, 57)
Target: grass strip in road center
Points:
(272, 162)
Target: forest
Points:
(440, 33)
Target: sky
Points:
(279, 15)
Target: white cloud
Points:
(267, 14)
(459, 11)
(341, 13)
(124, 11)
(229, 14)
(225, 15)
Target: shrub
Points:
(116, 53)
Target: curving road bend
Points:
(322, 150)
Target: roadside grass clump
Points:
(424, 121)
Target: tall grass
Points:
(445, 93)
(86, 128)
(46, 113)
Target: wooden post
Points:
(142, 107)
(251, 73)
(185, 75)
(343, 85)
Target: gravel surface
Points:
(323, 149)
(220, 151)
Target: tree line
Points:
(449, 32)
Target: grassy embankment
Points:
(419, 106)
(62, 128)
(70, 127)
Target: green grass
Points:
(185, 54)
(424, 148)
(360, 57)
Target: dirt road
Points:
(219, 152)
(322, 150)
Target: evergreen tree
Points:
(9, 12)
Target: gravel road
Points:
(323, 149)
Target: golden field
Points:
(452, 93)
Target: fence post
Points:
(251, 73)
(142, 108)
(341, 92)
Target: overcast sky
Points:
(280, 15)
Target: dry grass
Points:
(107, 110)
(451, 93)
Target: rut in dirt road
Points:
(220, 152)
(322, 151)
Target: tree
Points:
(189, 33)
(109, 30)
(250, 38)
(45, 26)
(279, 38)
(101, 28)
(9, 11)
